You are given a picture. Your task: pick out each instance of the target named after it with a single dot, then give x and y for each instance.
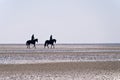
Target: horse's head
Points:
(54, 40)
(36, 40)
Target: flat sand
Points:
(105, 64)
(109, 70)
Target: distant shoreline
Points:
(65, 43)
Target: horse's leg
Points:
(44, 46)
(47, 45)
(34, 46)
(27, 46)
(53, 46)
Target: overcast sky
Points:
(69, 21)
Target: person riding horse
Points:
(51, 42)
(32, 41)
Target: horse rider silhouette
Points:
(32, 41)
(51, 42)
(51, 38)
(32, 37)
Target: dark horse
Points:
(50, 42)
(31, 42)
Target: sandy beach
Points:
(61, 71)
(65, 62)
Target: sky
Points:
(69, 21)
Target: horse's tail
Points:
(28, 42)
(45, 44)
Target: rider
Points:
(32, 37)
(51, 37)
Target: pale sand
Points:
(100, 70)
(109, 70)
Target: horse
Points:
(50, 42)
(31, 42)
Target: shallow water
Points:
(19, 54)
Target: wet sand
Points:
(109, 70)
(102, 62)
